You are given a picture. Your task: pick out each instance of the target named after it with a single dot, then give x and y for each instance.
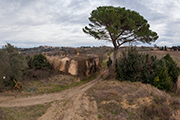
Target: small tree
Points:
(119, 26)
(38, 62)
(12, 64)
(133, 66)
(109, 62)
(172, 68)
(162, 81)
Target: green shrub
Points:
(173, 69)
(38, 62)
(133, 66)
(162, 81)
(12, 65)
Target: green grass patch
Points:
(65, 103)
(99, 116)
(53, 87)
(50, 85)
(104, 63)
(24, 113)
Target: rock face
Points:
(63, 64)
(73, 67)
(70, 64)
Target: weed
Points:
(99, 116)
(65, 103)
(32, 89)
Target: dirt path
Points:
(67, 106)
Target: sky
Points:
(32, 23)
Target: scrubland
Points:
(99, 99)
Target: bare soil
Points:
(69, 104)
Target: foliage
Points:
(162, 81)
(38, 62)
(38, 67)
(12, 65)
(173, 69)
(119, 25)
(133, 66)
(109, 62)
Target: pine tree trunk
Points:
(114, 56)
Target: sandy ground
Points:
(71, 104)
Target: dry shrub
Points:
(37, 74)
(82, 68)
(1, 114)
(132, 100)
(175, 104)
(109, 72)
(155, 111)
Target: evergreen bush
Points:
(173, 69)
(38, 62)
(134, 66)
(162, 80)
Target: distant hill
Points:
(49, 50)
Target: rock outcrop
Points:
(71, 64)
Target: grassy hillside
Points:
(132, 101)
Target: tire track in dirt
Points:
(45, 98)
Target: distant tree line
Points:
(173, 48)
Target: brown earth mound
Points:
(126, 100)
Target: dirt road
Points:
(67, 106)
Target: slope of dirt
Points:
(132, 100)
(76, 108)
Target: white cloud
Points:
(29, 23)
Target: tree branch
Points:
(127, 36)
(130, 40)
(120, 34)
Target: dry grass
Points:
(52, 84)
(174, 54)
(126, 100)
(23, 113)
